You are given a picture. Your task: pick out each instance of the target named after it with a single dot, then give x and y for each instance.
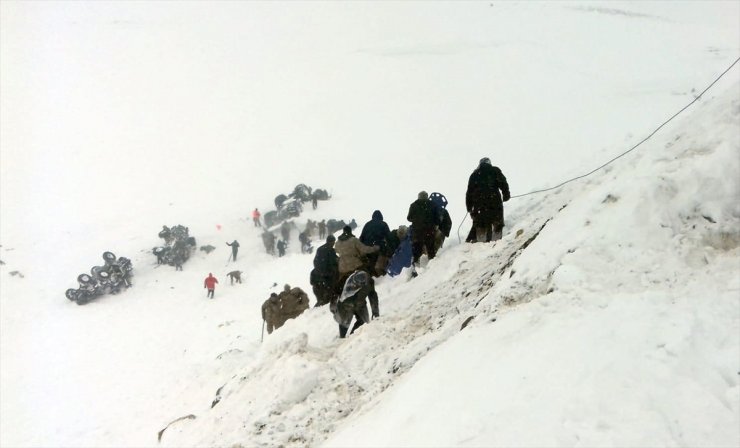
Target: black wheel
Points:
(84, 279)
(109, 257)
(71, 294)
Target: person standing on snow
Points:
(322, 229)
(294, 301)
(351, 253)
(487, 191)
(325, 273)
(374, 233)
(210, 283)
(256, 218)
(351, 303)
(234, 248)
(281, 245)
(271, 313)
(424, 220)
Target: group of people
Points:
(345, 267)
(278, 308)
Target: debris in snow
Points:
(186, 417)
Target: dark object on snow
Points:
(111, 278)
(290, 209)
(178, 247)
(281, 246)
(186, 417)
(234, 249)
(235, 276)
(321, 195)
(484, 199)
(16, 274)
(351, 303)
(301, 192)
(467, 321)
(443, 217)
(279, 199)
(207, 249)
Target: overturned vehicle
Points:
(291, 205)
(178, 246)
(114, 276)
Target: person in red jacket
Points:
(256, 218)
(210, 283)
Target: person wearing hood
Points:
(374, 233)
(351, 253)
(352, 304)
(325, 273)
(424, 221)
(484, 199)
(210, 284)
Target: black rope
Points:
(624, 153)
(641, 142)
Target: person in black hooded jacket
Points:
(487, 191)
(374, 233)
(424, 221)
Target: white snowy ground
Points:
(614, 321)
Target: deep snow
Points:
(618, 325)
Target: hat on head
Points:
(423, 195)
(485, 160)
(286, 287)
(347, 230)
(330, 239)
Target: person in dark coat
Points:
(234, 249)
(487, 191)
(281, 245)
(322, 229)
(374, 233)
(443, 231)
(352, 302)
(424, 220)
(325, 273)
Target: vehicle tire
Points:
(84, 279)
(71, 294)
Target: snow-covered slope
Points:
(608, 315)
(610, 319)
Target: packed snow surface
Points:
(608, 315)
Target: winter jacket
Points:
(272, 314)
(483, 199)
(210, 282)
(256, 214)
(375, 231)
(423, 216)
(445, 224)
(294, 303)
(351, 251)
(326, 262)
